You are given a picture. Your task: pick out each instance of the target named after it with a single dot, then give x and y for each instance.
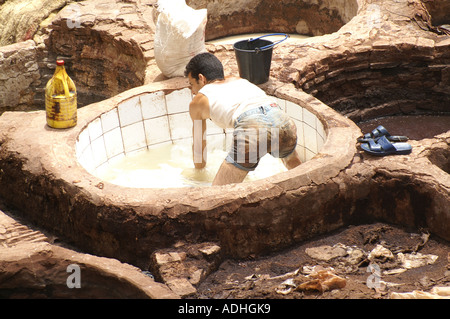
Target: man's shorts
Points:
(262, 130)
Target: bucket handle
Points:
(269, 35)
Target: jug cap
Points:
(59, 62)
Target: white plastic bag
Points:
(180, 35)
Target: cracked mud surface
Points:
(263, 277)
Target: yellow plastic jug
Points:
(61, 99)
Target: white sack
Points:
(180, 35)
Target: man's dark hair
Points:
(207, 64)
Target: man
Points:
(260, 127)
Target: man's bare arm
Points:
(199, 112)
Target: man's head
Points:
(202, 69)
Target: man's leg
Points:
(228, 173)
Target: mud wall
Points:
(389, 79)
(19, 76)
(108, 45)
(293, 16)
(102, 44)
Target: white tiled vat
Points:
(153, 119)
(157, 130)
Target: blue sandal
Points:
(383, 147)
(379, 132)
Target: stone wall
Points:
(402, 78)
(106, 46)
(19, 73)
(307, 17)
(21, 19)
(377, 54)
(104, 58)
(381, 64)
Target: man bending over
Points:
(260, 126)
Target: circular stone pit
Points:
(151, 120)
(129, 224)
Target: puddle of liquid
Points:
(415, 127)
(234, 38)
(171, 165)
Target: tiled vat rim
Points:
(150, 120)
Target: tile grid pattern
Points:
(310, 131)
(153, 119)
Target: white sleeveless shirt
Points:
(231, 98)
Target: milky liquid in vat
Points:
(171, 165)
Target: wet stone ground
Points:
(357, 275)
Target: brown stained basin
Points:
(41, 270)
(129, 224)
